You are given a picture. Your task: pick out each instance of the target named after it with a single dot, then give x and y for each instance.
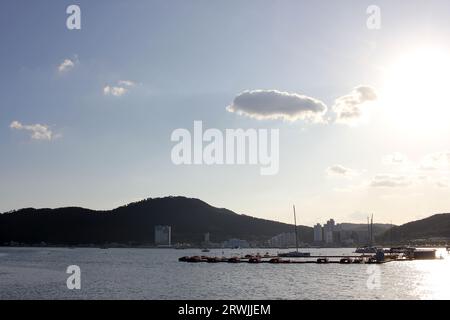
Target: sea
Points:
(133, 273)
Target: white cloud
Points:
(114, 91)
(38, 131)
(435, 161)
(118, 90)
(390, 181)
(394, 159)
(340, 171)
(127, 83)
(274, 104)
(349, 108)
(66, 65)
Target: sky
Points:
(86, 116)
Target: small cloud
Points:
(38, 131)
(390, 181)
(274, 104)
(118, 90)
(394, 159)
(340, 171)
(66, 65)
(114, 91)
(127, 83)
(349, 108)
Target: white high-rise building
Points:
(328, 230)
(163, 235)
(318, 233)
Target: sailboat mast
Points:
(295, 226)
(371, 229)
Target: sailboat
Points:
(296, 253)
(369, 248)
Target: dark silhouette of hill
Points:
(436, 226)
(133, 224)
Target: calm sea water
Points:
(40, 273)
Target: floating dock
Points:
(382, 256)
(361, 259)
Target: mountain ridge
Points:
(134, 223)
(190, 219)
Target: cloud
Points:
(395, 158)
(274, 104)
(340, 171)
(349, 108)
(118, 90)
(435, 161)
(66, 65)
(127, 83)
(443, 183)
(114, 91)
(38, 131)
(390, 181)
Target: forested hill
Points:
(133, 224)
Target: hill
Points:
(133, 224)
(436, 226)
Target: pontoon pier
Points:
(378, 258)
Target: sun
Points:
(416, 89)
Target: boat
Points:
(194, 259)
(296, 253)
(254, 260)
(234, 260)
(213, 260)
(424, 254)
(205, 250)
(367, 249)
(404, 250)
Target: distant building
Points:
(206, 237)
(163, 235)
(235, 243)
(318, 233)
(282, 240)
(328, 231)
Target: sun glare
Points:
(417, 87)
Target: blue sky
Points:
(188, 60)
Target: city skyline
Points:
(87, 115)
